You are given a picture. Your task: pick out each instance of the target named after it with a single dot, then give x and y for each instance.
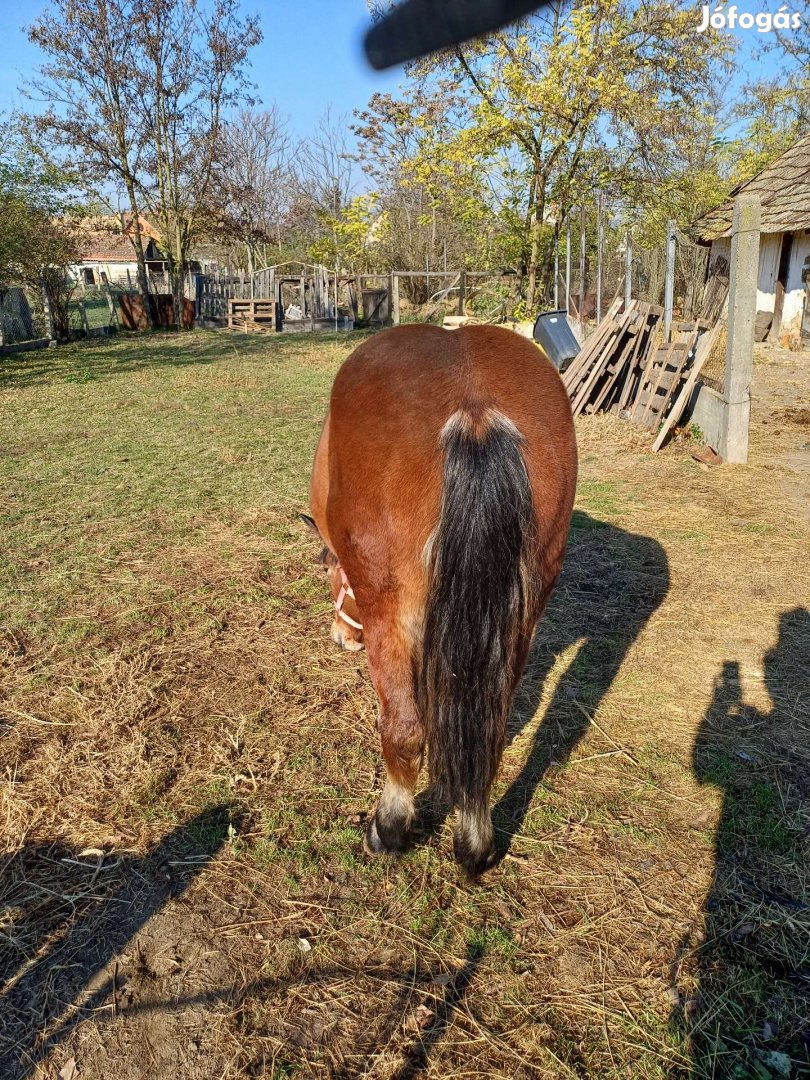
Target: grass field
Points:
(186, 760)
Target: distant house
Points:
(784, 251)
(107, 248)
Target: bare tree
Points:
(92, 123)
(325, 178)
(190, 64)
(137, 90)
(253, 182)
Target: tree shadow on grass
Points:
(743, 969)
(104, 358)
(66, 915)
(611, 584)
(403, 1032)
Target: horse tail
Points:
(476, 618)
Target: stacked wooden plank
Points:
(627, 368)
(702, 353)
(248, 325)
(606, 373)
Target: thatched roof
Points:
(784, 190)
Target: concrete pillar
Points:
(600, 243)
(669, 281)
(582, 269)
(395, 313)
(46, 309)
(742, 310)
(628, 269)
(568, 263)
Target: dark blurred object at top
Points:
(418, 27)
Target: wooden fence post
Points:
(356, 299)
(111, 304)
(462, 290)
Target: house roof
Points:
(107, 239)
(784, 191)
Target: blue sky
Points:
(310, 58)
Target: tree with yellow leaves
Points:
(615, 96)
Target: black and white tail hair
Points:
(477, 611)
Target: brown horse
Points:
(442, 488)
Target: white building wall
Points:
(115, 271)
(721, 247)
(770, 248)
(794, 289)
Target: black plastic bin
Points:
(556, 338)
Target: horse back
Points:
(377, 482)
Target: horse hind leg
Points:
(474, 844)
(389, 827)
(473, 840)
(389, 640)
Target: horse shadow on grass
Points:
(742, 972)
(65, 915)
(612, 582)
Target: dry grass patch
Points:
(187, 760)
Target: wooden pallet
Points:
(247, 325)
(252, 315)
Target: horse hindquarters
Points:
(478, 617)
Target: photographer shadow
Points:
(743, 968)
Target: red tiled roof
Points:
(104, 240)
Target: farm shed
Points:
(784, 250)
(107, 248)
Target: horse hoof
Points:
(372, 845)
(474, 863)
(392, 841)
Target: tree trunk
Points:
(140, 258)
(178, 273)
(176, 278)
(536, 233)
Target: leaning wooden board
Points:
(704, 349)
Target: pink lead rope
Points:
(345, 590)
